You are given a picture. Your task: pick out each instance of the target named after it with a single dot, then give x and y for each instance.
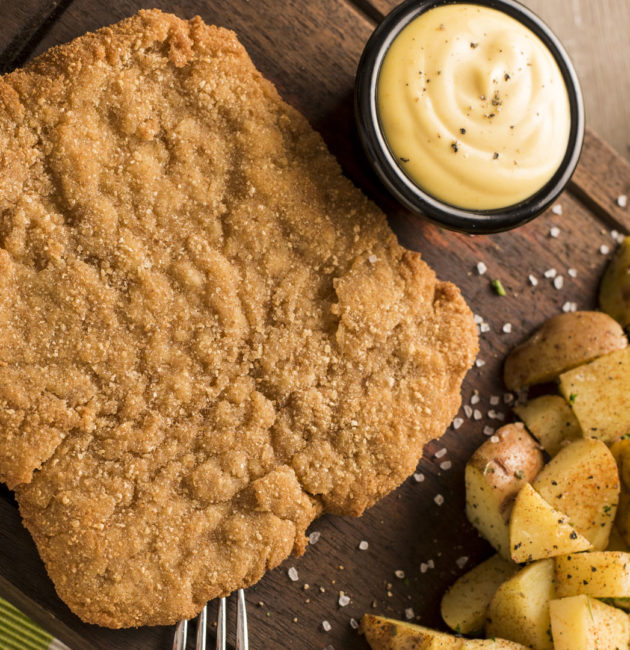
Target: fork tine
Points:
(181, 634)
(242, 641)
(221, 641)
(202, 620)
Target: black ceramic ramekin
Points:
(399, 184)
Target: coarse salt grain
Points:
(494, 400)
(461, 561)
(343, 599)
(478, 320)
(424, 567)
(363, 544)
(326, 626)
(354, 624)
(477, 414)
(439, 499)
(372, 259)
(494, 439)
(431, 564)
(507, 328)
(418, 477)
(572, 273)
(604, 250)
(569, 307)
(484, 327)
(492, 414)
(508, 398)
(488, 431)
(554, 231)
(441, 452)
(558, 282)
(622, 200)
(533, 280)
(557, 209)
(474, 398)
(481, 268)
(409, 613)
(468, 410)
(446, 465)
(399, 573)
(313, 538)
(457, 422)
(293, 574)
(480, 363)
(550, 273)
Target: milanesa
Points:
(208, 336)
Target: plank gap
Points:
(368, 10)
(20, 48)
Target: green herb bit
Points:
(572, 398)
(497, 285)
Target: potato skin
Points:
(614, 290)
(561, 343)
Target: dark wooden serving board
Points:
(310, 50)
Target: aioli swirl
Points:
(473, 106)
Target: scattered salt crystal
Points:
(354, 624)
(494, 439)
(439, 499)
(622, 200)
(409, 613)
(461, 561)
(484, 327)
(554, 231)
(441, 452)
(558, 282)
(617, 236)
(500, 416)
(481, 268)
(329, 647)
(326, 626)
(293, 574)
(479, 363)
(508, 398)
(343, 599)
(477, 414)
(399, 573)
(550, 273)
(423, 567)
(468, 410)
(313, 538)
(569, 306)
(446, 465)
(533, 280)
(457, 422)
(363, 545)
(604, 250)
(372, 259)
(474, 398)
(478, 320)
(507, 328)
(354, 423)
(431, 564)
(557, 209)
(492, 414)
(418, 477)
(572, 273)
(488, 431)
(494, 400)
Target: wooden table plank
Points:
(310, 51)
(23, 24)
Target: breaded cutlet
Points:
(208, 335)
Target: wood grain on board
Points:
(310, 50)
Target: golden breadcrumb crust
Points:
(208, 336)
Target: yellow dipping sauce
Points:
(473, 106)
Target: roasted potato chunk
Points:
(519, 609)
(494, 475)
(561, 343)
(550, 420)
(538, 530)
(614, 290)
(599, 393)
(603, 574)
(465, 604)
(582, 482)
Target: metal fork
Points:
(242, 643)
